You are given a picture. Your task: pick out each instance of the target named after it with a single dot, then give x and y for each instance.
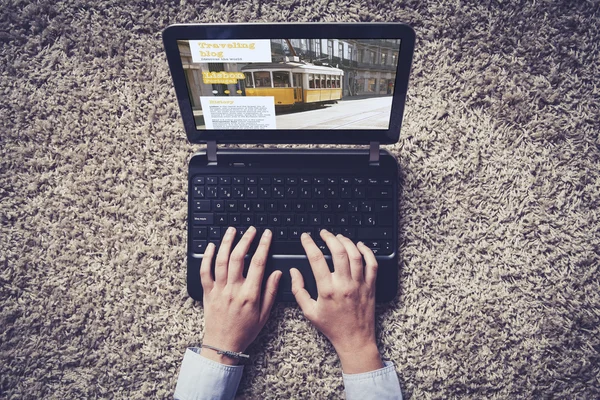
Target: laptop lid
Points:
(342, 83)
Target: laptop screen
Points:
(290, 84)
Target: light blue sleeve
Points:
(381, 384)
(201, 378)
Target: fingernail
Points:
(210, 246)
(304, 235)
(230, 230)
(267, 233)
(252, 228)
(360, 243)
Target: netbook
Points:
(301, 86)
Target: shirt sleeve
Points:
(202, 379)
(381, 384)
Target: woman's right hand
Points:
(345, 308)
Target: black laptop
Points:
(302, 84)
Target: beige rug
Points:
(500, 235)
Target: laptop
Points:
(303, 84)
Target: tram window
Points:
(339, 81)
(323, 85)
(262, 79)
(318, 81)
(249, 82)
(311, 81)
(281, 79)
(297, 80)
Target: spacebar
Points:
(287, 248)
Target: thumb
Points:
(269, 295)
(302, 297)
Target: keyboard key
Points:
(274, 219)
(342, 219)
(221, 219)
(199, 191)
(301, 219)
(374, 233)
(291, 192)
(245, 206)
(214, 232)
(211, 180)
(319, 181)
(366, 206)
(305, 193)
(251, 180)
(224, 180)
(278, 181)
(238, 192)
(264, 192)
(358, 192)
(199, 246)
(278, 192)
(224, 192)
(203, 219)
(200, 233)
(218, 205)
(202, 205)
(380, 192)
(306, 180)
(258, 206)
(198, 180)
(294, 233)
(231, 205)
(291, 181)
(369, 220)
(238, 180)
(355, 220)
(315, 219)
(234, 219)
(384, 207)
(261, 219)
(264, 180)
(281, 233)
(211, 192)
(248, 219)
(372, 181)
(251, 192)
(359, 181)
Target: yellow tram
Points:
(294, 83)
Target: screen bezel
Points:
(292, 30)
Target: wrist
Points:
(360, 359)
(220, 358)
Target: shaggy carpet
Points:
(500, 235)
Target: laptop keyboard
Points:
(360, 208)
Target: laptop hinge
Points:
(211, 151)
(374, 154)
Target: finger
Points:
(341, 265)
(303, 299)
(223, 256)
(236, 260)
(354, 257)
(259, 260)
(370, 264)
(269, 296)
(205, 275)
(316, 259)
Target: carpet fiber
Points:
(499, 291)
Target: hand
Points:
(233, 310)
(345, 308)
